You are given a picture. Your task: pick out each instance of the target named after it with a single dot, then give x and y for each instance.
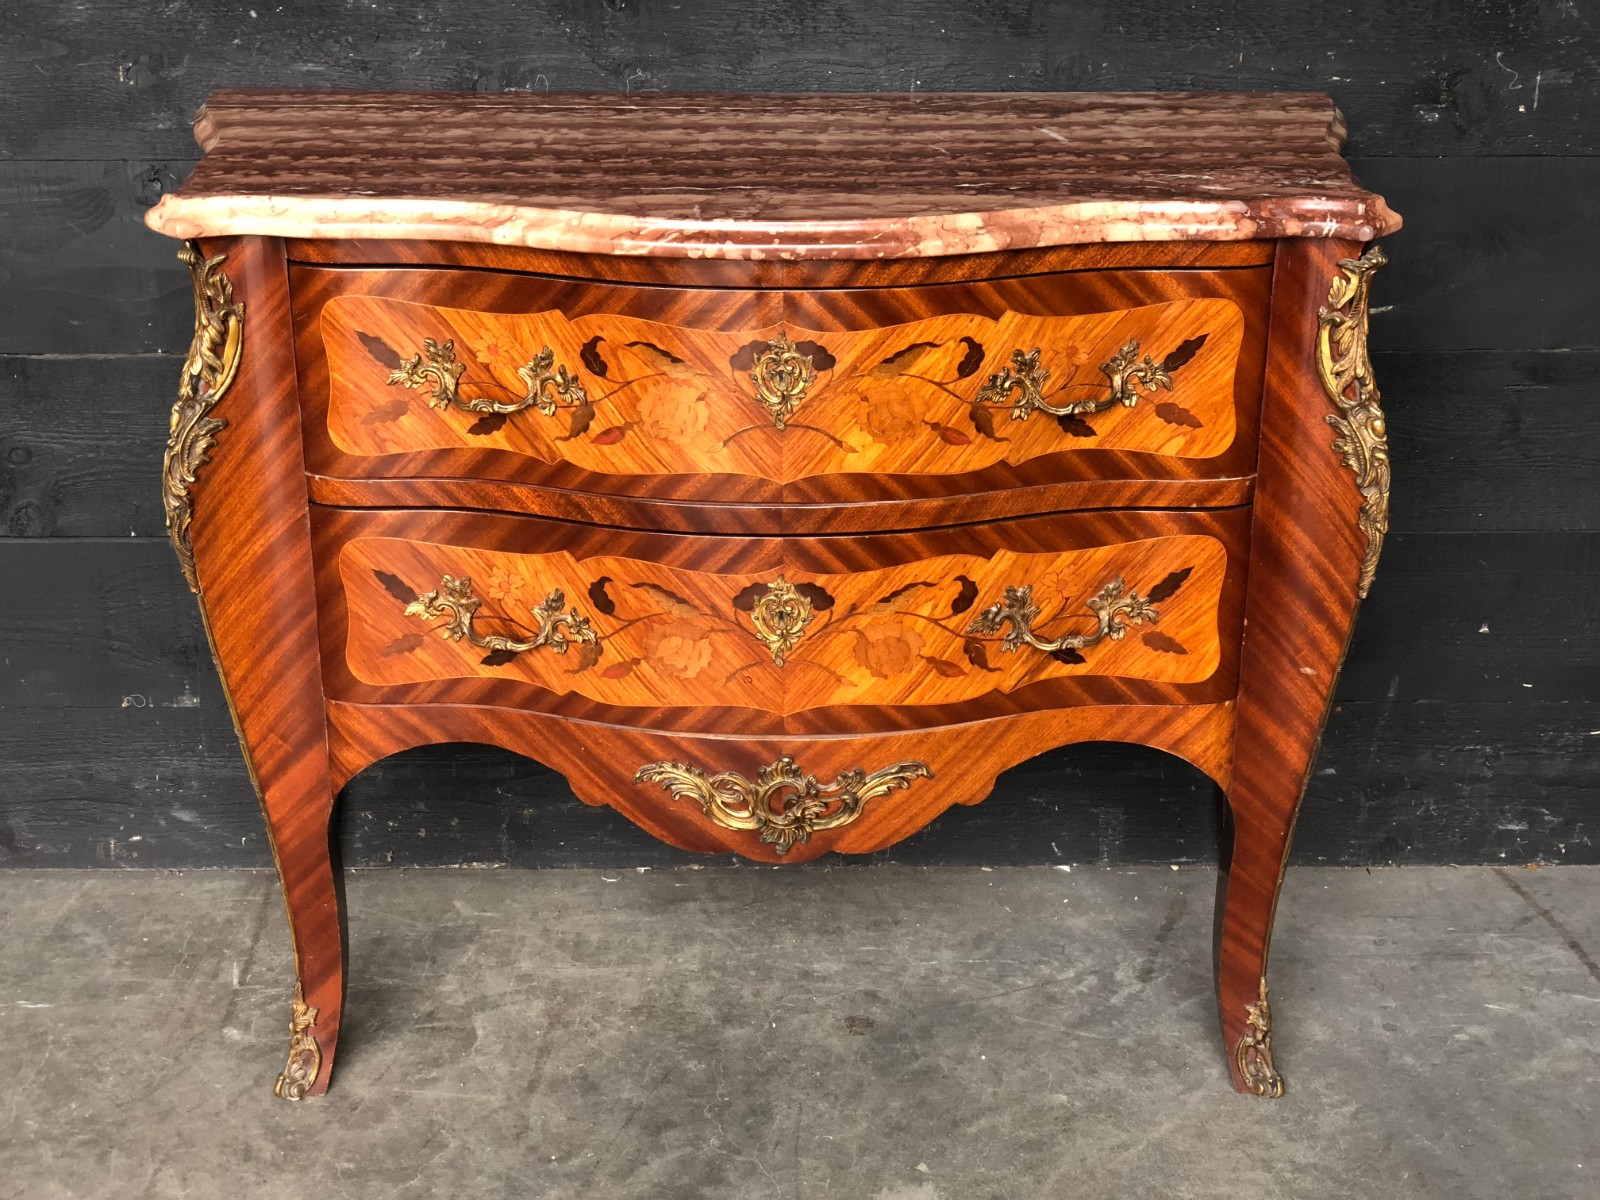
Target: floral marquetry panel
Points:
(639, 634)
(619, 395)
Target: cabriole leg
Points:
(1249, 898)
(1321, 511)
(313, 892)
(235, 495)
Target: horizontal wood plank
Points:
(1479, 267)
(1481, 77)
(1496, 440)
(1481, 441)
(1475, 268)
(105, 620)
(83, 275)
(81, 440)
(1481, 617)
(1394, 783)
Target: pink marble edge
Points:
(1077, 222)
(1361, 217)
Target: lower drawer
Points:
(760, 635)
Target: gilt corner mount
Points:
(208, 372)
(1345, 369)
(1253, 1055)
(305, 1054)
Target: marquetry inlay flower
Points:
(675, 413)
(1074, 355)
(887, 649)
(505, 586)
(891, 413)
(678, 647)
(1054, 590)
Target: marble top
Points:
(773, 176)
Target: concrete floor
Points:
(879, 1033)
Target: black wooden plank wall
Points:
(1468, 722)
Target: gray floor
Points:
(874, 1033)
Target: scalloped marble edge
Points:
(1078, 222)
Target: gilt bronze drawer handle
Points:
(783, 806)
(547, 387)
(1021, 385)
(1346, 374)
(1115, 608)
(455, 601)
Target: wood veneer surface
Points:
(890, 650)
(672, 438)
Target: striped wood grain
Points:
(673, 637)
(656, 453)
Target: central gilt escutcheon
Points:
(781, 376)
(780, 616)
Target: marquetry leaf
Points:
(1067, 655)
(745, 601)
(619, 670)
(949, 436)
(396, 587)
(745, 356)
(610, 437)
(669, 602)
(1177, 414)
(404, 644)
(971, 360)
(978, 655)
(820, 358)
(1169, 586)
(663, 360)
(582, 417)
(966, 597)
(884, 603)
(600, 598)
(651, 350)
(819, 598)
(392, 410)
(589, 355)
(588, 654)
(1157, 640)
(1075, 426)
(488, 423)
(983, 422)
(902, 360)
(498, 658)
(386, 354)
(1185, 351)
(943, 666)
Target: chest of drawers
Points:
(779, 469)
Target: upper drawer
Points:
(736, 397)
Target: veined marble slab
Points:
(773, 176)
